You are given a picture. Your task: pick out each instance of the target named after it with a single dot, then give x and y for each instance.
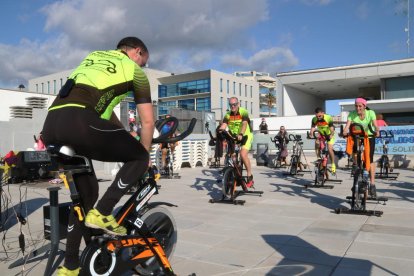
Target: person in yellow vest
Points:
(238, 122)
(82, 117)
(324, 123)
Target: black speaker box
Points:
(64, 211)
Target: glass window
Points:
(397, 88)
(204, 104)
(251, 107)
(234, 88)
(245, 90)
(164, 107)
(37, 87)
(186, 104)
(228, 86)
(48, 87)
(43, 87)
(61, 83)
(221, 102)
(184, 88)
(251, 91)
(240, 89)
(54, 87)
(221, 85)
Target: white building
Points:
(267, 90)
(389, 85)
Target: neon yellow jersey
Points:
(102, 80)
(367, 123)
(324, 124)
(234, 121)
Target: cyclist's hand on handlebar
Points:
(239, 137)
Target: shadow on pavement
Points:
(24, 209)
(303, 258)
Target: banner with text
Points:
(401, 143)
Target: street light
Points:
(155, 106)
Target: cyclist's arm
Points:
(223, 126)
(146, 116)
(313, 126)
(346, 128)
(374, 122)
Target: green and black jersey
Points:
(234, 121)
(102, 80)
(324, 124)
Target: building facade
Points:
(208, 90)
(267, 91)
(388, 86)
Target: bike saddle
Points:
(63, 150)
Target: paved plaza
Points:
(289, 230)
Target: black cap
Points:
(132, 41)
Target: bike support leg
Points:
(54, 228)
(359, 212)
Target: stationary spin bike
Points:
(386, 171)
(151, 229)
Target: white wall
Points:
(297, 102)
(216, 94)
(299, 123)
(10, 98)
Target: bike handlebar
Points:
(164, 138)
(295, 137)
(229, 137)
(355, 129)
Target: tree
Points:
(271, 100)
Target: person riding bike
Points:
(367, 118)
(283, 138)
(82, 117)
(324, 123)
(164, 146)
(238, 122)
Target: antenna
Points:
(407, 29)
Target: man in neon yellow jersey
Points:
(238, 122)
(324, 123)
(82, 117)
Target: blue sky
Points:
(40, 37)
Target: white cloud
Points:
(270, 60)
(182, 35)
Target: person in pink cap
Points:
(367, 118)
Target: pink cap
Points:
(361, 100)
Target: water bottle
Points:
(365, 176)
(324, 161)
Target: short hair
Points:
(318, 109)
(234, 98)
(132, 41)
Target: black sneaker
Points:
(373, 191)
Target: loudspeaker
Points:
(29, 164)
(64, 211)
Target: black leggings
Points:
(97, 139)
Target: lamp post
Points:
(155, 109)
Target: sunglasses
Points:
(233, 104)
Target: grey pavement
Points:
(289, 230)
